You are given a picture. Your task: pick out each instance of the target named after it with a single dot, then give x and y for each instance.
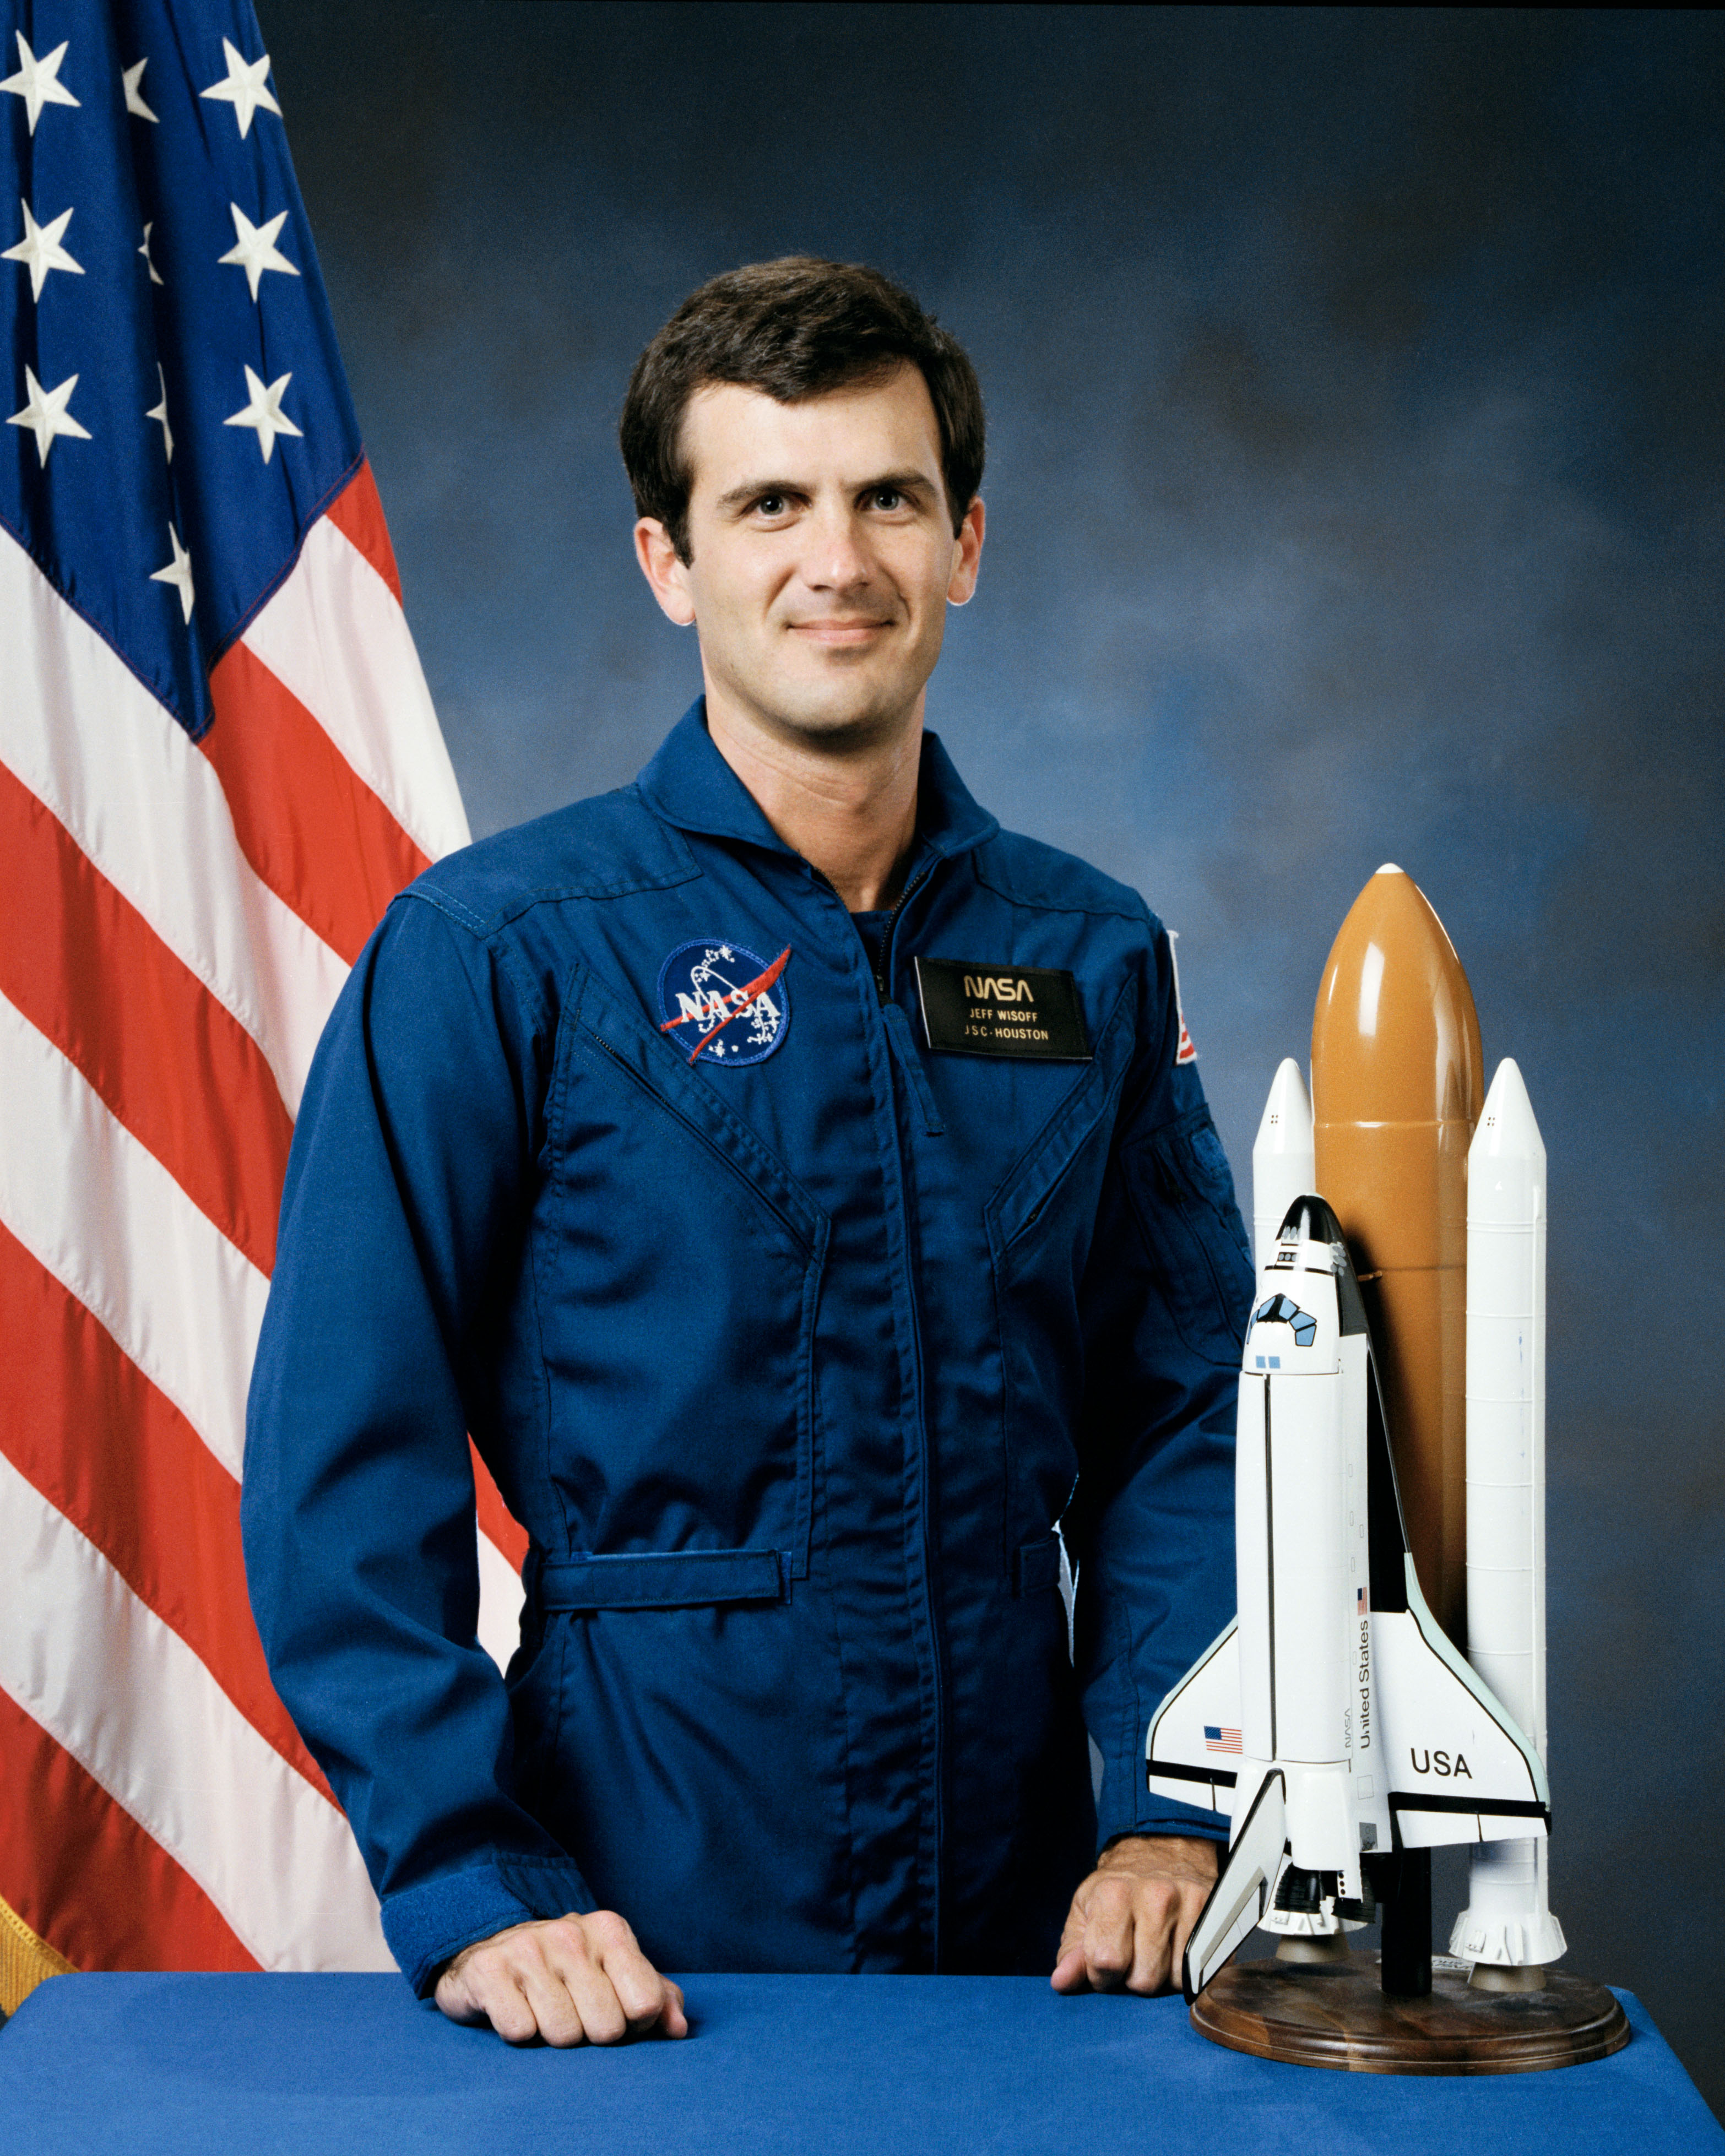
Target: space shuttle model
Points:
(1335, 1721)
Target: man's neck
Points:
(850, 812)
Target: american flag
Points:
(217, 761)
(1221, 1740)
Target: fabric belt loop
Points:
(663, 1579)
(1036, 1565)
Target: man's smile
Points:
(846, 630)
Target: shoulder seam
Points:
(490, 937)
(1048, 905)
(463, 915)
(571, 894)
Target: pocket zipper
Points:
(807, 1245)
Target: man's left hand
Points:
(1130, 1921)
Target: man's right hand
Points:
(571, 1980)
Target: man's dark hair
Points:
(793, 329)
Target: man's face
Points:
(822, 556)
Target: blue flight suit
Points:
(789, 1359)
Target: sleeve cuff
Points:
(1169, 1817)
(425, 1925)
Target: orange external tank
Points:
(1397, 1080)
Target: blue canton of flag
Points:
(180, 414)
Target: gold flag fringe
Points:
(25, 1960)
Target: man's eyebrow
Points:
(900, 482)
(752, 489)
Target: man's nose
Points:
(837, 557)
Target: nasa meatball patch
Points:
(724, 1003)
(973, 1008)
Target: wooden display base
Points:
(1334, 2015)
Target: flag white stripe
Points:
(106, 1218)
(500, 1599)
(335, 637)
(93, 745)
(125, 1696)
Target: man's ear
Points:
(966, 554)
(664, 571)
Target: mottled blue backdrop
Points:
(1354, 382)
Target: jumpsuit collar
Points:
(690, 784)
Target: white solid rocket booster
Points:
(1507, 1923)
(1282, 1160)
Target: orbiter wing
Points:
(1458, 1768)
(1194, 1734)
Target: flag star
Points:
(254, 249)
(155, 274)
(177, 572)
(41, 250)
(243, 89)
(46, 414)
(264, 412)
(38, 81)
(160, 412)
(133, 77)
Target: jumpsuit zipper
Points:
(882, 974)
(883, 971)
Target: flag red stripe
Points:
(357, 515)
(86, 1877)
(180, 1072)
(84, 1426)
(495, 1520)
(310, 827)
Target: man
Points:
(802, 1191)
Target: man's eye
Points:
(771, 504)
(888, 497)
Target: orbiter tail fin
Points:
(1240, 1897)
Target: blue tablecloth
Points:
(129, 2065)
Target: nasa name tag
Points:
(1029, 1012)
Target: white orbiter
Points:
(1333, 1720)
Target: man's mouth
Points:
(841, 631)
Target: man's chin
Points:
(837, 724)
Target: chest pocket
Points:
(678, 1289)
(1181, 1194)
